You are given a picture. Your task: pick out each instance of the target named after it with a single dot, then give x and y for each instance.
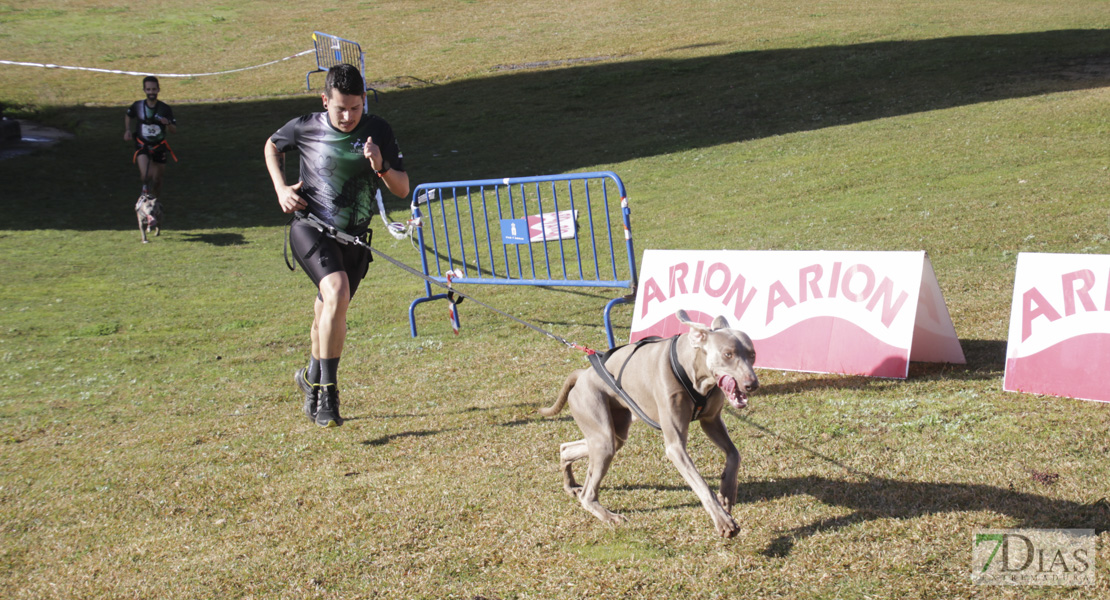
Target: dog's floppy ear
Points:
(720, 323)
(698, 332)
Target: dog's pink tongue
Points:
(728, 385)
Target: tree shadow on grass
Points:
(385, 439)
(216, 239)
(882, 498)
(986, 359)
(549, 121)
(830, 382)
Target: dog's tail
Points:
(556, 408)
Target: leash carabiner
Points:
(452, 314)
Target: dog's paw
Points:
(727, 527)
(614, 518)
(603, 514)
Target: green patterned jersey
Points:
(339, 183)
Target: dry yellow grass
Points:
(151, 444)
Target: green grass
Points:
(151, 441)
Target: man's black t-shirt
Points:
(339, 183)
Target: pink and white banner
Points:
(552, 226)
(548, 227)
(859, 313)
(1059, 341)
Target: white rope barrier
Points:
(118, 72)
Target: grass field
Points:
(151, 440)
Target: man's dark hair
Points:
(149, 78)
(345, 79)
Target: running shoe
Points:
(311, 394)
(327, 407)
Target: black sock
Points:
(313, 373)
(329, 371)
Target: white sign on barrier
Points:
(552, 226)
(1059, 340)
(860, 313)
(548, 227)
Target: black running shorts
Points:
(157, 153)
(320, 255)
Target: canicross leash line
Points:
(597, 361)
(345, 238)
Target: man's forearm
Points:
(396, 182)
(275, 164)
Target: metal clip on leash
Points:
(451, 302)
(399, 231)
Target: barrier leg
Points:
(412, 310)
(608, 321)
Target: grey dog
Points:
(718, 361)
(148, 210)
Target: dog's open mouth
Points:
(737, 398)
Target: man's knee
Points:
(335, 292)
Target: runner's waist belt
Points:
(325, 230)
(152, 147)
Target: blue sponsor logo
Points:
(514, 231)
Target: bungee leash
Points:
(597, 361)
(346, 238)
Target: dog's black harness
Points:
(699, 400)
(598, 361)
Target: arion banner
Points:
(1059, 341)
(858, 313)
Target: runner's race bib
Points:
(151, 131)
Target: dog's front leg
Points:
(674, 439)
(716, 431)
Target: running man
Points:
(154, 119)
(345, 158)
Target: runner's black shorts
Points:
(156, 153)
(320, 255)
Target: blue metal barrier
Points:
(559, 230)
(331, 51)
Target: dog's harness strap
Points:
(699, 400)
(598, 363)
(635, 347)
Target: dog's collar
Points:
(699, 399)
